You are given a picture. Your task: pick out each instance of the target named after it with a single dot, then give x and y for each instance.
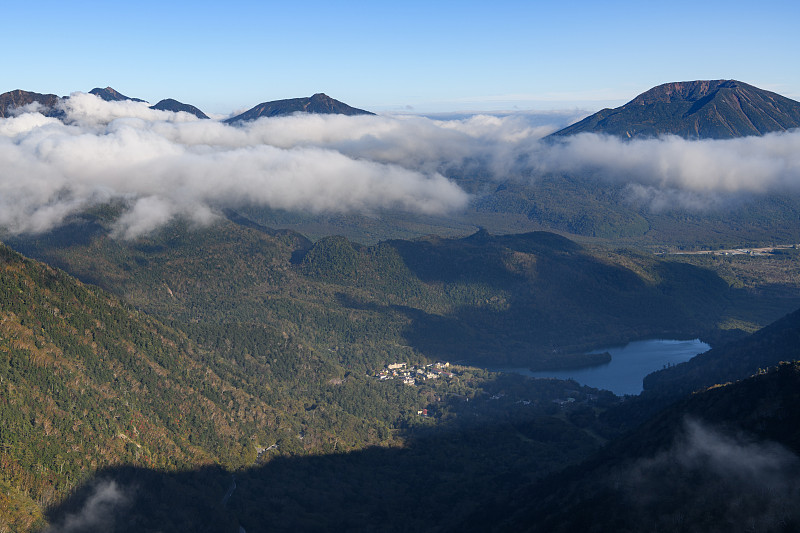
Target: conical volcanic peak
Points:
(705, 109)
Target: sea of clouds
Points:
(162, 164)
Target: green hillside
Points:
(488, 456)
(92, 386)
(258, 356)
(534, 299)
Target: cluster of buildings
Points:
(414, 375)
(768, 250)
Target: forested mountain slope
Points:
(88, 381)
(93, 387)
(534, 299)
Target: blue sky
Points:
(403, 56)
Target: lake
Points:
(629, 364)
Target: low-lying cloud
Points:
(716, 482)
(162, 164)
(165, 164)
(98, 513)
(671, 169)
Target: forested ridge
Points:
(535, 299)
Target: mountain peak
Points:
(19, 98)
(112, 95)
(679, 91)
(319, 103)
(170, 104)
(715, 109)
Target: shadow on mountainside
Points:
(721, 460)
(429, 485)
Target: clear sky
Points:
(397, 56)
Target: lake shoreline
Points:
(628, 365)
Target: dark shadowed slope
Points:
(777, 342)
(715, 109)
(722, 460)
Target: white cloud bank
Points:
(164, 164)
(674, 172)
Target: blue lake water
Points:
(629, 364)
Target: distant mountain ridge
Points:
(168, 104)
(704, 109)
(319, 103)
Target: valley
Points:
(296, 338)
(184, 346)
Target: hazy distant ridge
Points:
(319, 103)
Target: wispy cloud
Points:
(98, 512)
(707, 473)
